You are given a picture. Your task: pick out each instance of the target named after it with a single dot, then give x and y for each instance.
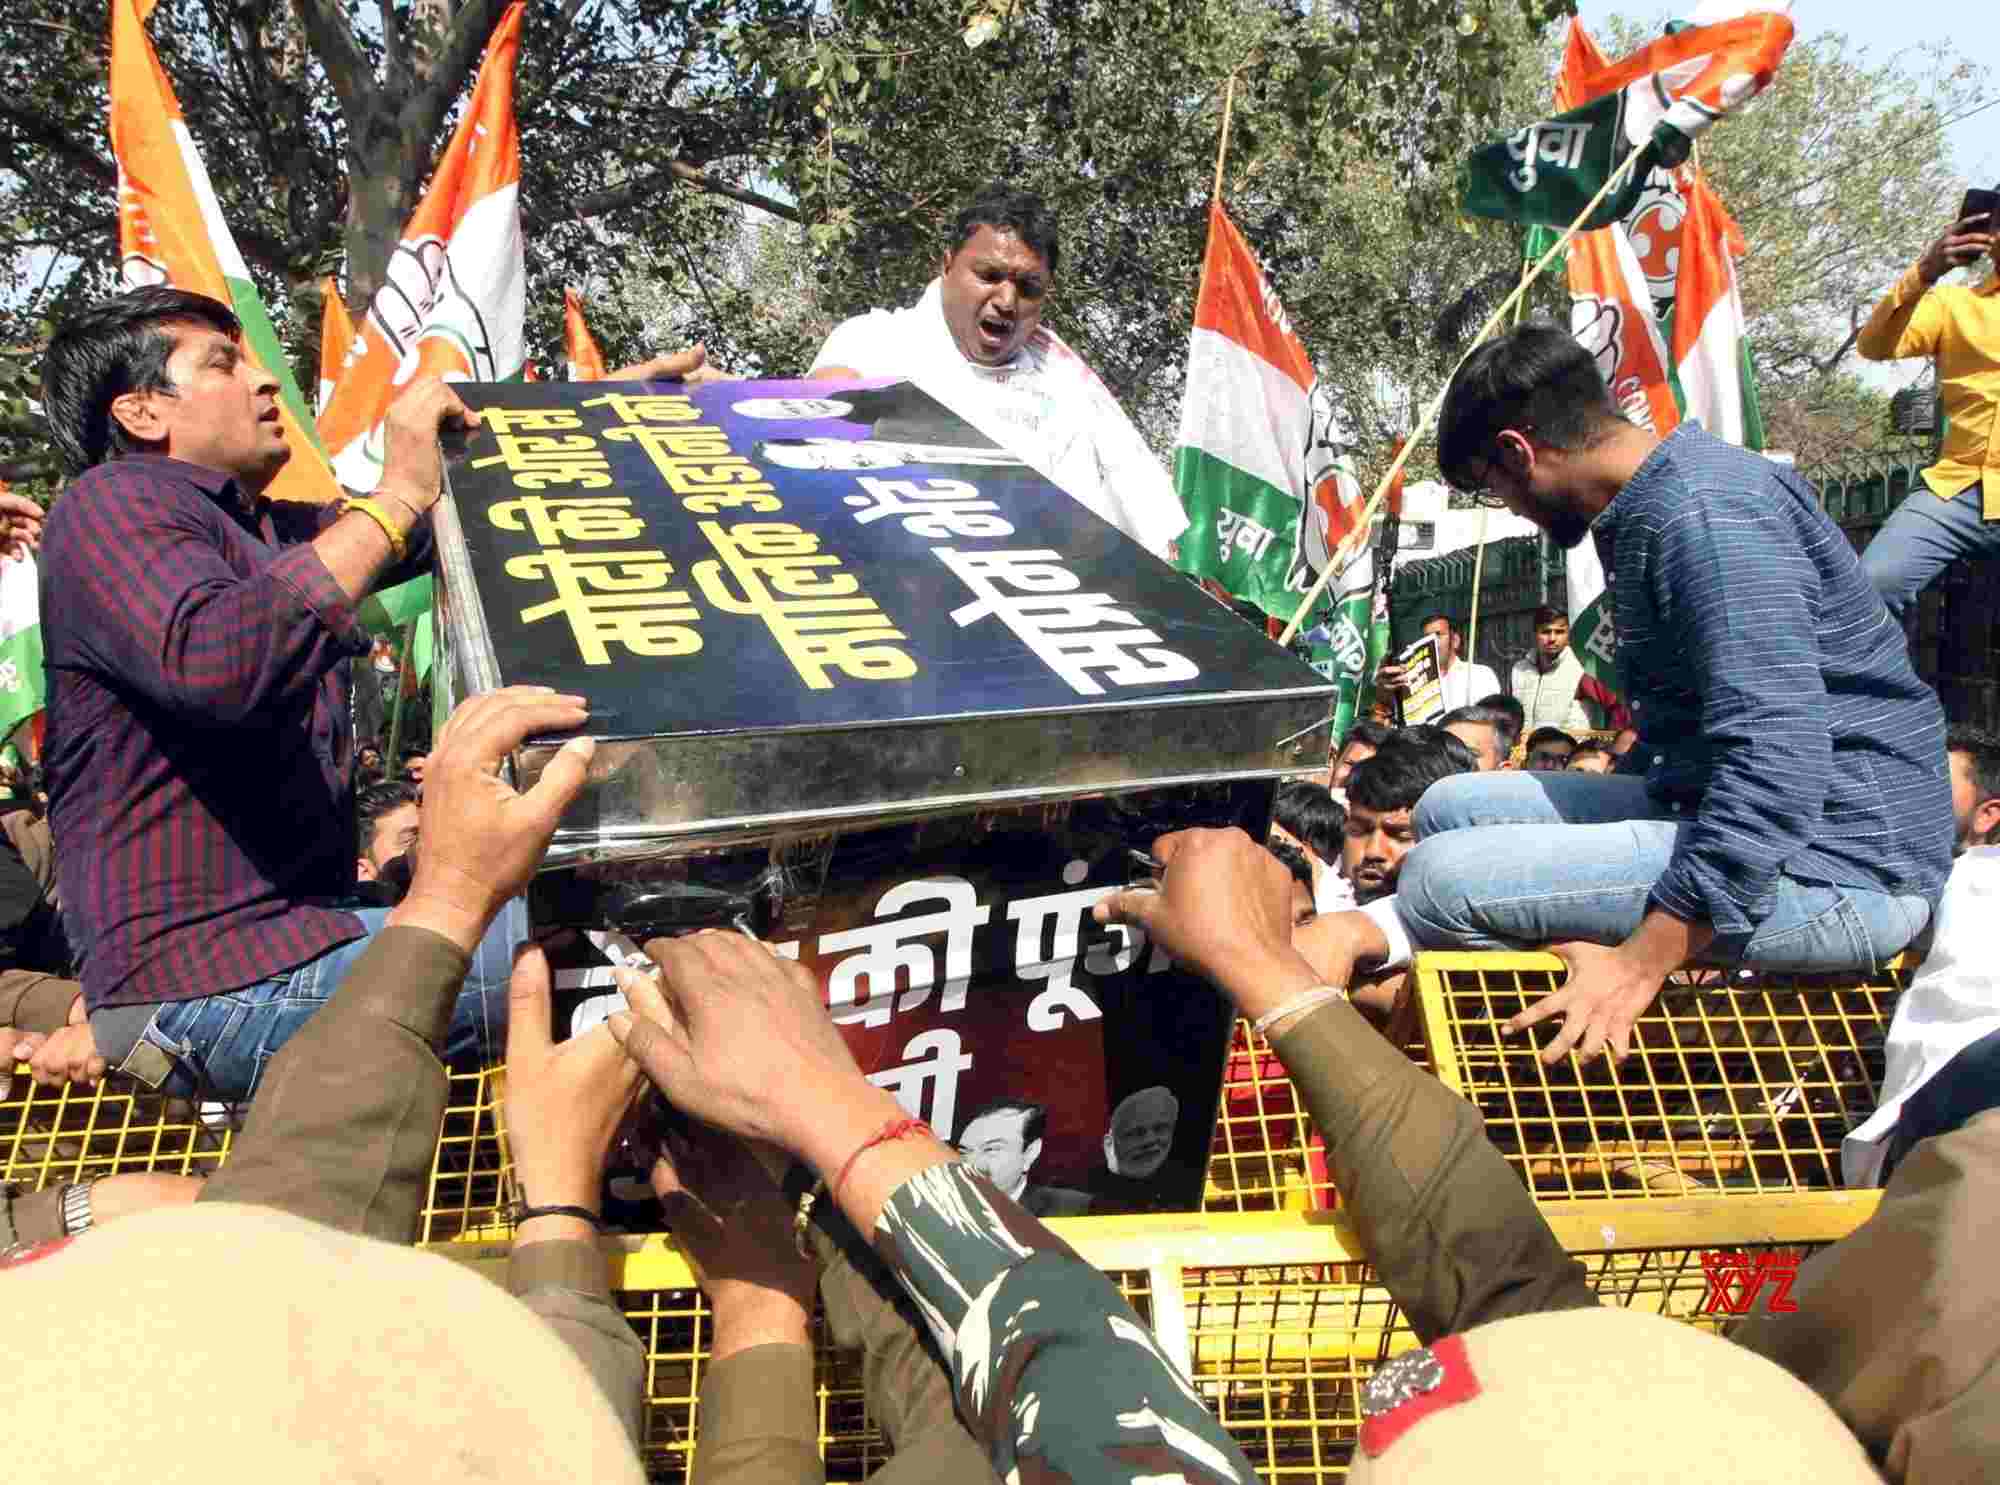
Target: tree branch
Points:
(346, 68)
(255, 102)
(42, 130)
(395, 58)
(617, 198)
(471, 28)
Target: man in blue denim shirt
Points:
(1788, 803)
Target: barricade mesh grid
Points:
(54, 1136)
(1280, 1356)
(1740, 1090)
(1735, 1085)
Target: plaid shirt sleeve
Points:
(1721, 582)
(179, 624)
(1054, 1374)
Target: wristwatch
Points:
(76, 1215)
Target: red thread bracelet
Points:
(895, 1129)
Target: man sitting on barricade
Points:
(1890, 1327)
(1786, 806)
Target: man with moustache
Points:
(975, 341)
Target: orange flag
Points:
(170, 230)
(586, 361)
(453, 300)
(336, 339)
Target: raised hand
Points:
(482, 840)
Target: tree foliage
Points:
(683, 140)
(1840, 175)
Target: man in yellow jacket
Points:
(1959, 327)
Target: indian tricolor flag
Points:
(586, 361)
(1711, 355)
(170, 230)
(454, 296)
(336, 339)
(1261, 470)
(1611, 314)
(23, 683)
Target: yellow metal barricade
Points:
(1737, 1085)
(1722, 1131)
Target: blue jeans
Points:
(221, 1044)
(1506, 859)
(1922, 537)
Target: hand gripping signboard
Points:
(867, 685)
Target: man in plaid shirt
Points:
(198, 645)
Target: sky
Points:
(1885, 27)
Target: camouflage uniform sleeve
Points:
(1053, 1372)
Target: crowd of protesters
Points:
(206, 909)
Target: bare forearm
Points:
(1663, 943)
(839, 1126)
(356, 550)
(760, 1317)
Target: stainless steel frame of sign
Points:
(663, 794)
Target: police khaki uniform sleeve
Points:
(1898, 1324)
(1452, 1232)
(759, 1420)
(566, 1282)
(345, 1125)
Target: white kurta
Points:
(1952, 1003)
(1045, 405)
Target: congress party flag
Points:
(1259, 464)
(453, 299)
(1656, 102)
(336, 339)
(1611, 314)
(586, 361)
(23, 682)
(1711, 356)
(171, 231)
(1349, 646)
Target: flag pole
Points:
(1428, 423)
(392, 763)
(1478, 567)
(1222, 149)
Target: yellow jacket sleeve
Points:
(1908, 322)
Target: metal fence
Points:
(1954, 640)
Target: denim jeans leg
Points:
(1470, 800)
(1922, 537)
(1503, 886)
(1506, 886)
(1817, 929)
(479, 1018)
(222, 1043)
